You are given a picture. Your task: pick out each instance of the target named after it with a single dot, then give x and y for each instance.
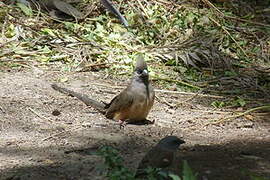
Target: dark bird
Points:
(160, 156)
(132, 105)
(65, 11)
(56, 8)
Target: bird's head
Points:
(141, 71)
(171, 142)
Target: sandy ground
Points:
(35, 144)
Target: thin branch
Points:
(163, 91)
(164, 101)
(177, 81)
(59, 133)
(142, 7)
(189, 99)
(239, 115)
(39, 115)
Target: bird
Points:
(56, 8)
(132, 105)
(160, 156)
(64, 11)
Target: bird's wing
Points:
(120, 102)
(67, 8)
(156, 158)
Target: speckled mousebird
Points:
(132, 105)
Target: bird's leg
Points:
(122, 123)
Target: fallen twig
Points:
(164, 91)
(188, 93)
(210, 111)
(108, 86)
(142, 7)
(38, 115)
(164, 101)
(177, 81)
(189, 99)
(239, 115)
(56, 134)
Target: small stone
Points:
(245, 125)
(173, 87)
(56, 112)
(248, 125)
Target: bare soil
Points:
(36, 143)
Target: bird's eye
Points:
(139, 71)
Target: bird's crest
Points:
(140, 63)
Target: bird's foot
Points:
(122, 123)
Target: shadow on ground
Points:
(236, 160)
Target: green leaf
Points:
(230, 73)
(48, 31)
(218, 104)
(240, 101)
(63, 79)
(45, 49)
(72, 26)
(257, 178)
(174, 177)
(44, 58)
(99, 28)
(26, 10)
(187, 172)
(11, 32)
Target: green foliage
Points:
(235, 102)
(116, 169)
(253, 177)
(230, 73)
(218, 104)
(73, 27)
(187, 172)
(111, 156)
(49, 32)
(10, 32)
(238, 102)
(26, 10)
(193, 74)
(114, 164)
(174, 177)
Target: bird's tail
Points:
(109, 5)
(83, 97)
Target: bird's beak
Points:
(145, 72)
(181, 141)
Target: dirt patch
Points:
(35, 144)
